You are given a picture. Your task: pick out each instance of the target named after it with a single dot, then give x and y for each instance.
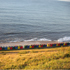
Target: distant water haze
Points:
(65, 0)
(34, 20)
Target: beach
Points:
(26, 43)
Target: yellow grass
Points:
(51, 58)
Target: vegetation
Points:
(47, 58)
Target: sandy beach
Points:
(26, 43)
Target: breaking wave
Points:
(64, 39)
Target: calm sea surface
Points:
(32, 20)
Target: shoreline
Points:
(27, 43)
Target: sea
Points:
(34, 20)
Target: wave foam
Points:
(44, 39)
(36, 39)
(64, 39)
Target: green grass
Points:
(53, 58)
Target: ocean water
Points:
(34, 20)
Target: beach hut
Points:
(30, 46)
(21, 47)
(13, 47)
(5, 48)
(69, 44)
(8, 48)
(0, 48)
(18, 47)
(51, 45)
(39, 46)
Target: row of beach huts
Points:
(34, 46)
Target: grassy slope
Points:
(52, 58)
